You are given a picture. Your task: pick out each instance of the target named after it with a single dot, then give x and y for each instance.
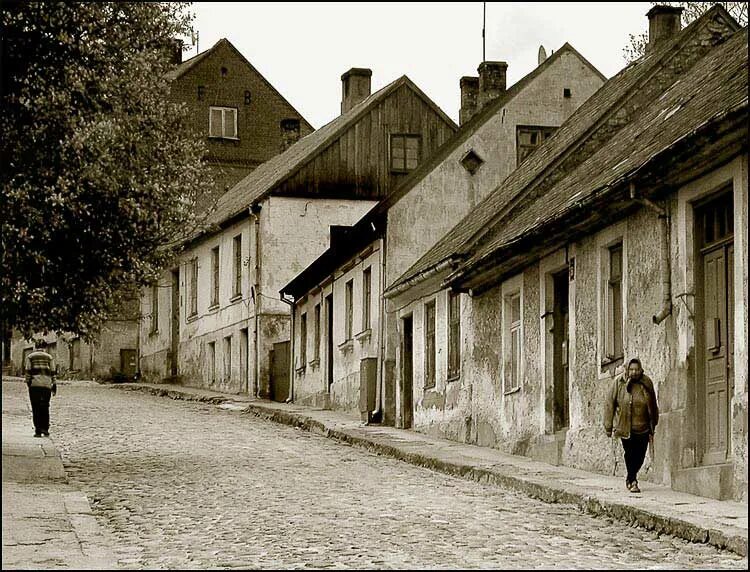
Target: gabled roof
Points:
(460, 241)
(191, 63)
(261, 182)
(713, 90)
(362, 233)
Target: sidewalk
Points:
(720, 523)
(47, 523)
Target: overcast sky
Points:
(303, 49)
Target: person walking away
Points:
(40, 378)
(631, 412)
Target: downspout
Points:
(381, 336)
(255, 210)
(666, 276)
(290, 397)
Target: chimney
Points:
(175, 45)
(289, 133)
(663, 23)
(355, 85)
(491, 81)
(469, 93)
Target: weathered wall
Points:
(449, 192)
(311, 385)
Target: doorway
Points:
(561, 408)
(244, 369)
(715, 326)
(407, 372)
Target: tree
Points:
(99, 168)
(691, 11)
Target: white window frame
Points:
(511, 289)
(223, 110)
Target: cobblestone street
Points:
(191, 485)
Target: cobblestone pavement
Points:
(189, 485)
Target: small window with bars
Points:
(222, 122)
(405, 152)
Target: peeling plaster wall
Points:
(311, 386)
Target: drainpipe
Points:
(290, 397)
(381, 336)
(255, 210)
(666, 277)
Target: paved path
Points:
(191, 485)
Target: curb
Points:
(591, 505)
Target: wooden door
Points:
(128, 365)
(560, 351)
(329, 341)
(174, 332)
(715, 328)
(280, 372)
(407, 372)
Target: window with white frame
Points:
(316, 349)
(454, 334)
(303, 340)
(222, 122)
(512, 342)
(366, 297)
(215, 276)
(349, 309)
(154, 308)
(193, 287)
(237, 270)
(429, 344)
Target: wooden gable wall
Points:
(356, 165)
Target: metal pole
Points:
(484, 23)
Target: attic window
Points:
(222, 122)
(224, 72)
(201, 92)
(405, 152)
(471, 162)
(566, 92)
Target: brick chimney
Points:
(469, 94)
(289, 133)
(492, 76)
(355, 86)
(664, 22)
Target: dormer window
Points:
(529, 138)
(405, 151)
(471, 162)
(222, 122)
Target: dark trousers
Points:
(635, 452)
(40, 397)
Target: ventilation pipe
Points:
(666, 276)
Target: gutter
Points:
(421, 277)
(255, 212)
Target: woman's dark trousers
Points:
(635, 453)
(40, 397)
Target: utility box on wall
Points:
(368, 376)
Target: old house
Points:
(216, 319)
(245, 121)
(339, 326)
(616, 239)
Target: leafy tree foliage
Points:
(99, 167)
(691, 11)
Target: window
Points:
(222, 122)
(237, 252)
(429, 344)
(154, 307)
(316, 349)
(454, 334)
(405, 152)
(215, 277)
(366, 294)
(193, 287)
(349, 310)
(201, 92)
(212, 362)
(471, 162)
(613, 351)
(228, 358)
(512, 345)
(566, 92)
(303, 340)
(529, 138)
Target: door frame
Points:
(407, 366)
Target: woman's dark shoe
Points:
(37, 434)
(634, 487)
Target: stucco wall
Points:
(446, 194)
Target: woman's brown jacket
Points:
(617, 407)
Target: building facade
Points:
(283, 212)
(338, 311)
(613, 242)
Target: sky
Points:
(303, 48)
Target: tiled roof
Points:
(335, 256)
(714, 87)
(457, 243)
(260, 182)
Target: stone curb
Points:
(541, 491)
